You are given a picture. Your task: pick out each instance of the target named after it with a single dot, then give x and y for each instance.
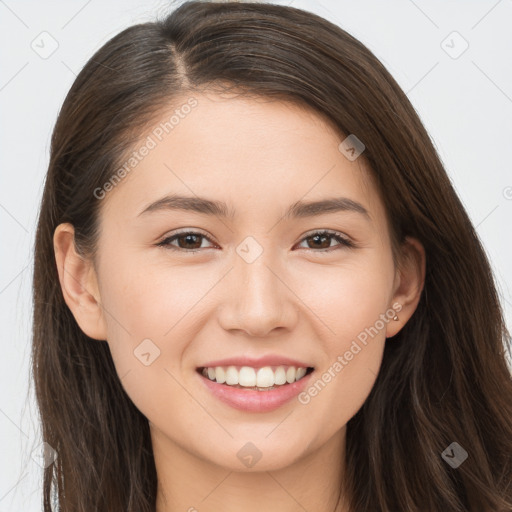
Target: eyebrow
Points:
(299, 209)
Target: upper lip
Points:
(268, 360)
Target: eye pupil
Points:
(325, 237)
(191, 241)
(188, 237)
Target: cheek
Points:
(152, 315)
(353, 306)
(144, 318)
(348, 371)
(145, 301)
(345, 299)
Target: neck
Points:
(188, 483)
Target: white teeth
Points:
(300, 373)
(265, 377)
(231, 376)
(280, 376)
(246, 376)
(220, 375)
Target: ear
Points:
(78, 282)
(409, 282)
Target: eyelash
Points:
(344, 242)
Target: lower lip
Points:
(251, 400)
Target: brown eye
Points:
(322, 240)
(189, 241)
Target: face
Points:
(253, 283)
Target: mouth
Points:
(264, 378)
(255, 389)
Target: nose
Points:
(258, 299)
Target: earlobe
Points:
(409, 284)
(78, 283)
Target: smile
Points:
(255, 390)
(263, 379)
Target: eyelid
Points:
(185, 231)
(331, 232)
(343, 240)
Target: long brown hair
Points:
(444, 377)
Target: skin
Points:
(297, 298)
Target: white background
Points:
(465, 104)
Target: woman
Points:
(331, 340)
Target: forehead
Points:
(250, 153)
